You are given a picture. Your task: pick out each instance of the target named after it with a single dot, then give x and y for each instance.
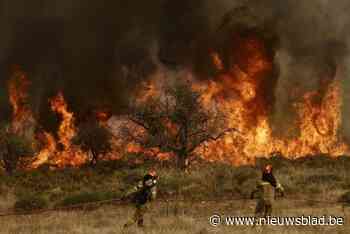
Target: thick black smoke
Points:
(97, 52)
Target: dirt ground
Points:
(172, 217)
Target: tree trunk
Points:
(10, 161)
(182, 161)
(94, 158)
(8, 167)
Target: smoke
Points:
(97, 52)
(311, 40)
(313, 49)
(94, 51)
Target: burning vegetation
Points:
(22, 116)
(61, 152)
(242, 90)
(166, 122)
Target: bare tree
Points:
(175, 122)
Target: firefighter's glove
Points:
(280, 190)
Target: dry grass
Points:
(189, 219)
(7, 198)
(318, 178)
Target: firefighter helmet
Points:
(267, 169)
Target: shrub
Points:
(13, 148)
(319, 161)
(87, 197)
(317, 180)
(31, 202)
(323, 179)
(345, 198)
(93, 138)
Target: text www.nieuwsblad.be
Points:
(217, 220)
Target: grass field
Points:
(316, 178)
(170, 218)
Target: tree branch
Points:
(138, 123)
(212, 138)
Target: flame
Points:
(70, 155)
(151, 152)
(239, 93)
(47, 152)
(102, 115)
(18, 85)
(148, 90)
(239, 90)
(217, 61)
(23, 121)
(66, 129)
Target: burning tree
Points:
(23, 122)
(175, 122)
(13, 149)
(94, 138)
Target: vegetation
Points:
(164, 219)
(31, 202)
(93, 138)
(315, 178)
(13, 149)
(87, 197)
(176, 122)
(108, 180)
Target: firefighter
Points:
(267, 190)
(141, 196)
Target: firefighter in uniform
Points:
(141, 195)
(266, 190)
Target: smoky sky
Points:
(97, 52)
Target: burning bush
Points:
(93, 138)
(13, 149)
(175, 122)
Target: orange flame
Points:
(47, 152)
(102, 115)
(70, 155)
(148, 90)
(238, 92)
(217, 61)
(18, 85)
(67, 129)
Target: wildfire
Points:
(217, 61)
(23, 123)
(148, 90)
(18, 85)
(67, 129)
(319, 122)
(102, 115)
(48, 150)
(70, 155)
(239, 92)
